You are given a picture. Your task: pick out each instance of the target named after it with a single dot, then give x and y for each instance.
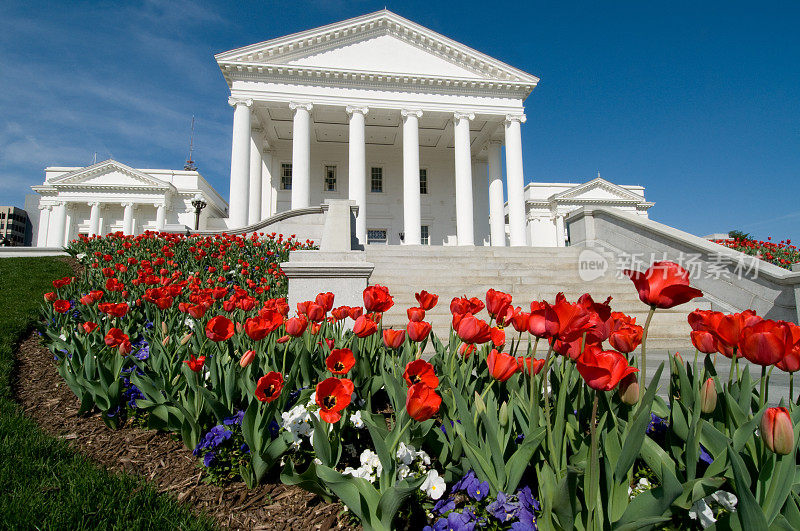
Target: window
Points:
(376, 236)
(330, 178)
(423, 181)
(425, 235)
(376, 180)
(286, 176)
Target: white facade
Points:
(374, 100)
(547, 204)
(110, 196)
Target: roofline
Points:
(224, 57)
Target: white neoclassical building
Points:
(548, 204)
(110, 196)
(423, 133)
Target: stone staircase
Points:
(527, 273)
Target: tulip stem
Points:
(591, 500)
(730, 374)
(545, 381)
(791, 387)
(761, 398)
(644, 352)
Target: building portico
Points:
(382, 111)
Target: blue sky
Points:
(697, 101)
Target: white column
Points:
(266, 185)
(44, 222)
(55, 233)
(561, 235)
(497, 217)
(127, 218)
(357, 168)
(301, 155)
(465, 231)
(69, 223)
(515, 180)
(94, 219)
(254, 194)
(412, 218)
(240, 162)
(161, 216)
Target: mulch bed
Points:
(156, 457)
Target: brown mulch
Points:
(165, 463)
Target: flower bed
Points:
(782, 254)
(552, 428)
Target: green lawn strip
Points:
(43, 483)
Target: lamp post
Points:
(198, 205)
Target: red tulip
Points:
(415, 314)
(497, 302)
(777, 430)
(521, 320)
(89, 327)
(296, 326)
(377, 299)
(333, 395)
(61, 306)
(115, 337)
(573, 349)
(420, 371)
(325, 300)
(355, 312)
(463, 305)
(195, 364)
(340, 361)
(766, 342)
(364, 327)
(573, 319)
(50, 296)
(703, 341)
(393, 338)
(603, 370)
(269, 386)
(543, 321)
(341, 313)
(530, 365)
(473, 330)
(727, 330)
(625, 335)
(418, 331)
(258, 328)
(219, 328)
(426, 300)
(315, 312)
(791, 362)
(502, 366)
(663, 285)
(422, 402)
(247, 358)
(600, 320)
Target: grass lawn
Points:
(43, 483)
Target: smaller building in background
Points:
(15, 227)
(547, 204)
(110, 196)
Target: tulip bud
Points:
(186, 338)
(629, 390)
(164, 329)
(247, 358)
(165, 341)
(777, 430)
(480, 407)
(504, 414)
(239, 328)
(708, 396)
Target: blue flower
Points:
(464, 482)
(454, 522)
(526, 499)
(705, 457)
(526, 522)
(244, 448)
(444, 505)
(236, 419)
(209, 459)
(274, 428)
(478, 490)
(503, 508)
(520, 438)
(657, 425)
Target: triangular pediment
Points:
(109, 173)
(377, 43)
(597, 189)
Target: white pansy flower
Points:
(80, 256)
(356, 420)
(434, 485)
(424, 457)
(189, 322)
(403, 471)
(406, 453)
(726, 499)
(701, 511)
